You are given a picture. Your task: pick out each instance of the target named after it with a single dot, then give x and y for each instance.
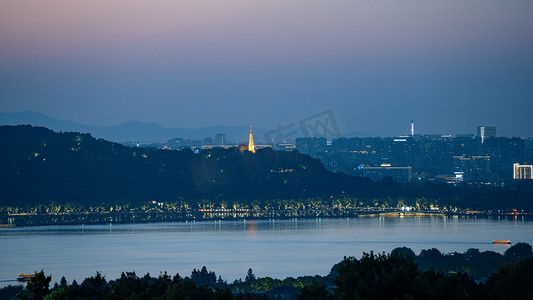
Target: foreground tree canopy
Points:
(373, 276)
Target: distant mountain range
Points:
(141, 132)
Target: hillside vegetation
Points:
(39, 166)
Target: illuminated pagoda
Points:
(251, 146)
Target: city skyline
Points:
(450, 66)
(39, 119)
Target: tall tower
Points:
(412, 128)
(486, 132)
(251, 146)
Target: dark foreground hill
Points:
(40, 166)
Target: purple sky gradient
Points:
(449, 65)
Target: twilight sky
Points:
(450, 65)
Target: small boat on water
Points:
(25, 277)
(501, 242)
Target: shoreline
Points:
(33, 220)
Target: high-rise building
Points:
(251, 146)
(207, 141)
(220, 139)
(522, 171)
(473, 168)
(504, 152)
(486, 132)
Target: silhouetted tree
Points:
(314, 292)
(186, 289)
(249, 276)
(433, 284)
(38, 286)
(519, 251)
(377, 277)
(204, 277)
(11, 291)
(514, 281)
(404, 251)
(63, 281)
(95, 286)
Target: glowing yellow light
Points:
(251, 146)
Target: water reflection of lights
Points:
(250, 228)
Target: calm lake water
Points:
(279, 248)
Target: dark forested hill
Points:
(40, 166)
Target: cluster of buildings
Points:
(483, 158)
(219, 141)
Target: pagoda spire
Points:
(251, 146)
